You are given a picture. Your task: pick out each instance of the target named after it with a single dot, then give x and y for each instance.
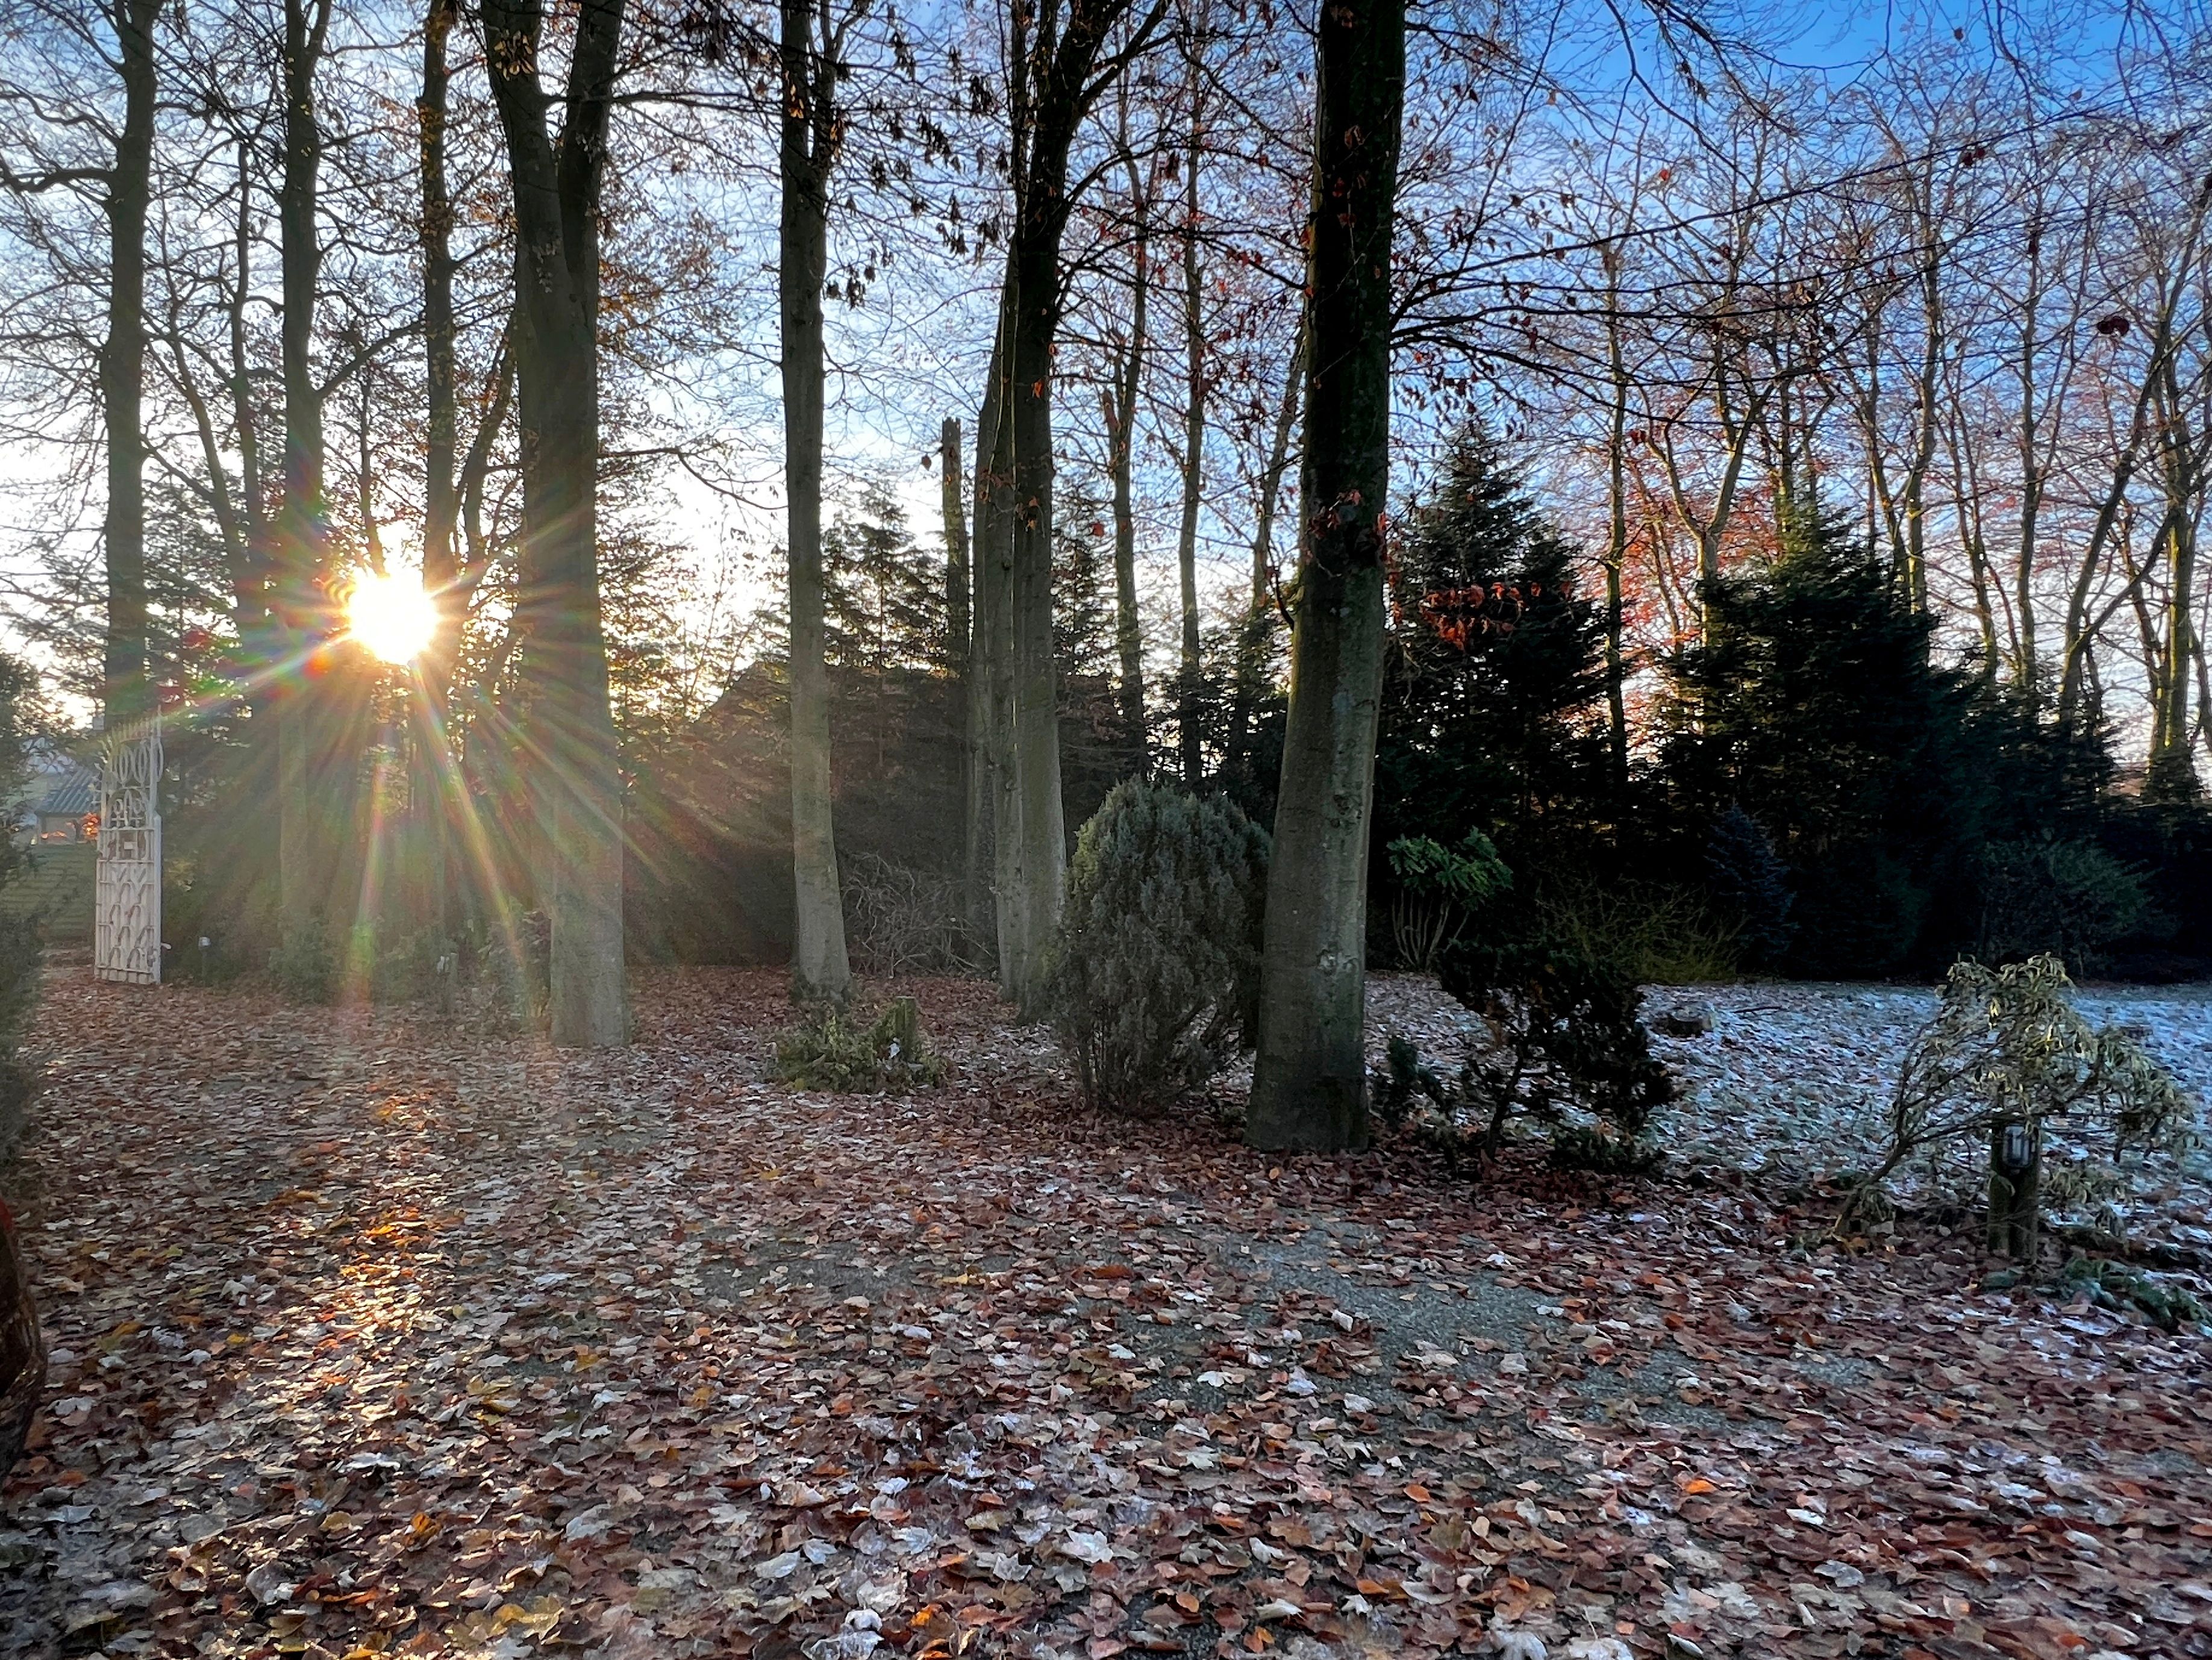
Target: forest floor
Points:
(372, 1336)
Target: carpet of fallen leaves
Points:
(372, 1336)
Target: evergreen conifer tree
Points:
(1094, 753)
(1751, 885)
(1082, 635)
(1493, 686)
(884, 596)
(1812, 703)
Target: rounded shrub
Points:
(2070, 899)
(305, 965)
(1155, 983)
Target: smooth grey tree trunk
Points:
(303, 835)
(2026, 669)
(1057, 77)
(441, 504)
(953, 501)
(1309, 1085)
(1616, 543)
(1056, 85)
(960, 660)
(1258, 619)
(126, 693)
(575, 760)
(441, 495)
(990, 625)
(250, 575)
(1187, 681)
(2173, 742)
(819, 967)
(1036, 873)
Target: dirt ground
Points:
(372, 1336)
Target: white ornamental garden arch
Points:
(126, 928)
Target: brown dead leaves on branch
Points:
(381, 1339)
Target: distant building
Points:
(59, 803)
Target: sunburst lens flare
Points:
(393, 616)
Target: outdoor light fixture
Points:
(391, 615)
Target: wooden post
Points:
(2015, 1189)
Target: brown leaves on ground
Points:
(375, 1338)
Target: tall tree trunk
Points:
(303, 833)
(1054, 86)
(1259, 610)
(1309, 1085)
(2079, 629)
(126, 692)
(960, 656)
(989, 692)
(557, 201)
(1925, 418)
(2173, 774)
(441, 494)
(819, 967)
(1055, 79)
(1710, 529)
(1033, 857)
(2172, 770)
(1966, 474)
(1188, 689)
(1120, 401)
(2026, 669)
(1616, 541)
(441, 497)
(2203, 692)
(249, 583)
(954, 502)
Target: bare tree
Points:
(1118, 406)
(809, 57)
(1189, 679)
(1059, 65)
(1308, 1083)
(556, 184)
(116, 170)
(298, 565)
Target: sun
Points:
(391, 615)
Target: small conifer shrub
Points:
(1155, 981)
(1567, 1049)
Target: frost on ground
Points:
(375, 1338)
(1794, 1080)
